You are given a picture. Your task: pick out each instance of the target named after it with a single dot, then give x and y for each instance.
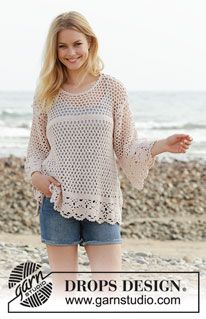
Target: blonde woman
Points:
(82, 130)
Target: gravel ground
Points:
(14, 254)
(171, 206)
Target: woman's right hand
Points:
(42, 182)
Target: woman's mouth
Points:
(72, 60)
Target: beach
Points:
(164, 225)
(171, 205)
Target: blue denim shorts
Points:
(58, 230)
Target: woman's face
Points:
(72, 48)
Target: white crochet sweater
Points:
(81, 142)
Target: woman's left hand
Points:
(177, 143)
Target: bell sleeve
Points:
(133, 154)
(38, 145)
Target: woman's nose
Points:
(70, 52)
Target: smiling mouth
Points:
(72, 60)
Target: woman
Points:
(82, 129)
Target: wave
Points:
(170, 126)
(13, 114)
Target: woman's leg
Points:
(105, 258)
(103, 245)
(61, 236)
(62, 258)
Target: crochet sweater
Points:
(82, 141)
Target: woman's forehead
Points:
(70, 35)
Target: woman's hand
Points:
(42, 182)
(177, 143)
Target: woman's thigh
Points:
(105, 262)
(105, 257)
(63, 258)
(63, 261)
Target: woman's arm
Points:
(133, 153)
(38, 145)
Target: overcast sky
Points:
(147, 44)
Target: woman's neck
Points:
(72, 81)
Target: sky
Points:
(156, 45)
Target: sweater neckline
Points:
(92, 87)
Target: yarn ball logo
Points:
(30, 285)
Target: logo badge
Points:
(30, 286)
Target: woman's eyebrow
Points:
(73, 42)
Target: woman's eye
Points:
(61, 46)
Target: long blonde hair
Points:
(53, 73)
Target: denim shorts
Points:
(58, 230)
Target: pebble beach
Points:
(170, 209)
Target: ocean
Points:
(157, 115)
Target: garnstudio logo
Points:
(30, 285)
